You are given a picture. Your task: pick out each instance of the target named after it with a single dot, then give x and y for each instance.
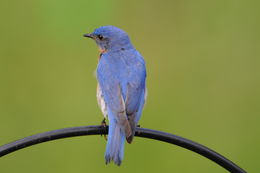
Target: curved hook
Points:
(140, 132)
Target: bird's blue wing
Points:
(136, 86)
(135, 92)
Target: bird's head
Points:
(110, 38)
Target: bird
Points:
(121, 88)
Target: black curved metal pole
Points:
(141, 132)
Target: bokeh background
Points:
(203, 79)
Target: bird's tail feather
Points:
(115, 144)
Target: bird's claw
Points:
(104, 124)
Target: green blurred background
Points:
(203, 79)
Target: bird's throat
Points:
(101, 53)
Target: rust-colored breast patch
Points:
(101, 53)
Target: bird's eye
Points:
(100, 37)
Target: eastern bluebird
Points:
(121, 90)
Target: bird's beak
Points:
(89, 35)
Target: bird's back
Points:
(122, 67)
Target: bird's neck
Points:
(120, 47)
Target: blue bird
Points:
(121, 90)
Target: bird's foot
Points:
(138, 125)
(104, 124)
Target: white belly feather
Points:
(101, 101)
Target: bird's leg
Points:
(104, 124)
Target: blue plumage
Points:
(121, 75)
